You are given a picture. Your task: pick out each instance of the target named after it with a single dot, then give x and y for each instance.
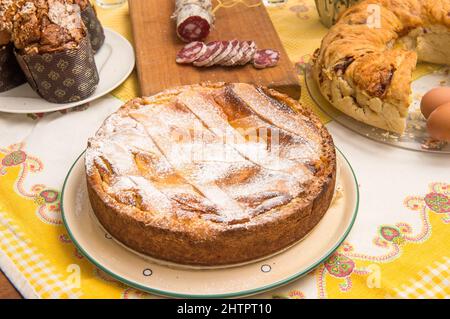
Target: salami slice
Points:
(249, 53)
(234, 51)
(226, 49)
(213, 49)
(244, 47)
(236, 58)
(266, 58)
(194, 19)
(191, 52)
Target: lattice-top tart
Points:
(211, 174)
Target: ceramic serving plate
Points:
(173, 280)
(416, 132)
(115, 61)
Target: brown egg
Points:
(438, 123)
(434, 98)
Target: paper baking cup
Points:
(10, 73)
(62, 77)
(94, 27)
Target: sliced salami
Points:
(236, 58)
(191, 52)
(213, 50)
(243, 50)
(226, 49)
(234, 51)
(227, 53)
(252, 44)
(248, 55)
(194, 19)
(266, 58)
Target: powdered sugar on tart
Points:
(205, 158)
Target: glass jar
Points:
(329, 10)
(274, 3)
(110, 4)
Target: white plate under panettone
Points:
(115, 61)
(159, 278)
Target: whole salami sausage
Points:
(194, 19)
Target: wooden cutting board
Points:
(157, 44)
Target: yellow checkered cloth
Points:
(40, 274)
(432, 282)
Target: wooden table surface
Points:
(7, 291)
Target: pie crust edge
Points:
(230, 244)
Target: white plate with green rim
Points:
(154, 277)
(115, 62)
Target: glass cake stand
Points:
(415, 135)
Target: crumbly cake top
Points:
(223, 154)
(7, 11)
(82, 3)
(42, 26)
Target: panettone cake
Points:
(48, 43)
(44, 26)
